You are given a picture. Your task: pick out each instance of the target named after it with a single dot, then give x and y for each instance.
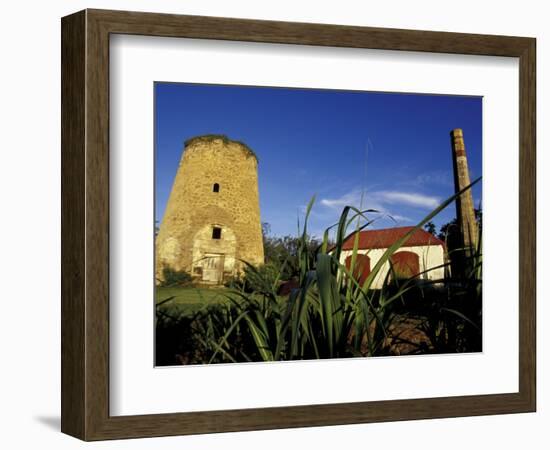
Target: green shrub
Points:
(173, 277)
(233, 282)
(264, 278)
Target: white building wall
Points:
(429, 256)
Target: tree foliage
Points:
(450, 231)
(430, 228)
(282, 252)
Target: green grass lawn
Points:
(188, 300)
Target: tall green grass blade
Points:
(260, 338)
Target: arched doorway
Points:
(362, 267)
(405, 264)
(214, 253)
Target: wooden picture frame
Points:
(85, 224)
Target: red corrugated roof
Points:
(386, 237)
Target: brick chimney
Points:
(464, 203)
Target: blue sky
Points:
(391, 149)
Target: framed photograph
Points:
(273, 225)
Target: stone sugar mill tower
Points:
(212, 218)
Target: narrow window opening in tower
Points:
(216, 233)
(216, 187)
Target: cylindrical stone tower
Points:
(464, 203)
(212, 218)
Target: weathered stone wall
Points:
(464, 203)
(194, 209)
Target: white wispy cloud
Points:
(393, 208)
(382, 200)
(440, 177)
(400, 218)
(408, 199)
(352, 198)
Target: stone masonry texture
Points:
(185, 241)
(464, 204)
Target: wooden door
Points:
(405, 264)
(362, 267)
(212, 268)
